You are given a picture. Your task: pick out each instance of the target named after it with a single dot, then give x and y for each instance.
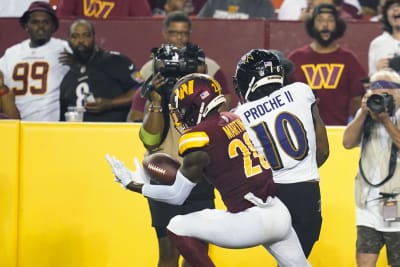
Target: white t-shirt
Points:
(281, 127)
(34, 74)
(383, 46)
(291, 9)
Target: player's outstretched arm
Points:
(188, 175)
(321, 136)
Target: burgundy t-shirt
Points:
(103, 9)
(334, 77)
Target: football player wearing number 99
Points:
(283, 123)
(32, 69)
(215, 146)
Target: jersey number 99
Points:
(26, 74)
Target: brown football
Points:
(161, 168)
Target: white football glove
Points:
(124, 175)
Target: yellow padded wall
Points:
(9, 132)
(73, 214)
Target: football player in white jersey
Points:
(284, 124)
(32, 68)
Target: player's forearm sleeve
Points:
(148, 138)
(174, 194)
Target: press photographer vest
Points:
(375, 158)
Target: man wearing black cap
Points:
(333, 72)
(32, 68)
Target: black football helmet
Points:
(258, 73)
(193, 97)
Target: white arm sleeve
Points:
(174, 194)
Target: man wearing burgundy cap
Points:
(33, 69)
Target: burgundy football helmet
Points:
(193, 97)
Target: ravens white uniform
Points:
(282, 129)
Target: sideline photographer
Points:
(377, 185)
(158, 134)
(169, 64)
(177, 30)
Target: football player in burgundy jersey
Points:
(215, 146)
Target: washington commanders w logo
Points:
(97, 8)
(323, 76)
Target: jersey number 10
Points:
(291, 138)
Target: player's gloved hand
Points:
(124, 175)
(140, 174)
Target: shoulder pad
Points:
(192, 140)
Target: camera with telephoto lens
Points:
(381, 102)
(172, 63)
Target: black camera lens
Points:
(381, 102)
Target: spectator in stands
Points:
(8, 109)
(176, 31)
(191, 7)
(377, 16)
(100, 82)
(12, 8)
(384, 50)
(303, 9)
(333, 72)
(237, 9)
(174, 5)
(370, 9)
(32, 68)
(103, 9)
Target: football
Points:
(161, 168)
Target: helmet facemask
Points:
(258, 73)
